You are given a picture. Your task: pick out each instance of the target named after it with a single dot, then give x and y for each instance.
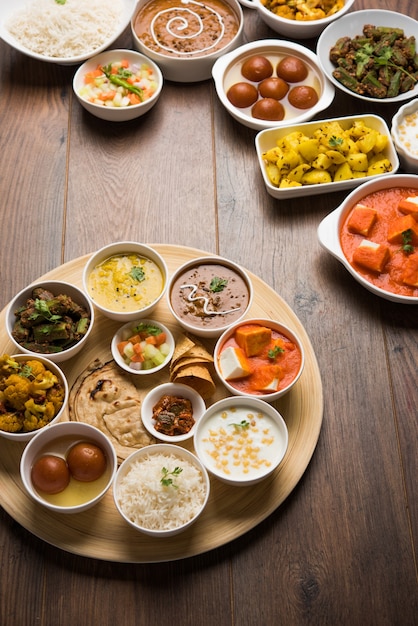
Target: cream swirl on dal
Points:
(186, 27)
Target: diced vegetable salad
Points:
(119, 84)
(144, 347)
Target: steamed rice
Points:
(147, 503)
(65, 30)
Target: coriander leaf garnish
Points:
(407, 246)
(137, 273)
(274, 352)
(147, 328)
(218, 284)
(334, 141)
(243, 425)
(166, 481)
(41, 309)
(60, 1)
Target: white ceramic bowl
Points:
(7, 9)
(55, 369)
(117, 114)
(56, 287)
(235, 445)
(405, 135)
(190, 324)
(188, 68)
(296, 29)
(175, 456)
(122, 248)
(171, 389)
(352, 25)
(227, 72)
(127, 331)
(57, 440)
(267, 139)
(329, 229)
(235, 389)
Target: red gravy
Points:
(386, 204)
(186, 28)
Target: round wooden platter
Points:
(100, 532)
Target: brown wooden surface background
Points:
(342, 549)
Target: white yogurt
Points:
(408, 133)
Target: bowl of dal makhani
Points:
(125, 280)
(241, 440)
(66, 32)
(207, 294)
(161, 490)
(186, 38)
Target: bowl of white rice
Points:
(161, 490)
(65, 32)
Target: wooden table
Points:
(342, 548)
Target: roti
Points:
(107, 398)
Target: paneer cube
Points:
(233, 363)
(410, 275)
(399, 226)
(373, 256)
(252, 338)
(362, 219)
(409, 206)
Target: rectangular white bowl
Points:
(267, 139)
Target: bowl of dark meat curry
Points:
(171, 411)
(51, 318)
(372, 55)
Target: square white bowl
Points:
(267, 139)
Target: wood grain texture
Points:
(342, 548)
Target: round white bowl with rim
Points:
(297, 29)
(8, 9)
(330, 227)
(208, 330)
(274, 326)
(126, 331)
(57, 439)
(189, 68)
(175, 455)
(351, 26)
(123, 113)
(226, 72)
(56, 287)
(234, 457)
(55, 369)
(121, 248)
(171, 389)
(404, 132)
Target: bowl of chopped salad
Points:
(118, 85)
(142, 346)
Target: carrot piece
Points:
(152, 340)
(135, 339)
(109, 95)
(91, 76)
(134, 98)
(124, 63)
(121, 346)
(137, 358)
(161, 338)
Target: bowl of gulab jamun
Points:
(270, 83)
(68, 467)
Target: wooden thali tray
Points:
(232, 511)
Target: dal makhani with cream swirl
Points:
(186, 28)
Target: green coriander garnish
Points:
(137, 273)
(60, 1)
(243, 425)
(334, 142)
(274, 352)
(166, 480)
(407, 246)
(218, 284)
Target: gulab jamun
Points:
(86, 461)
(268, 109)
(302, 97)
(50, 474)
(273, 87)
(292, 69)
(256, 68)
(242, 95)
